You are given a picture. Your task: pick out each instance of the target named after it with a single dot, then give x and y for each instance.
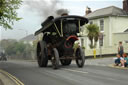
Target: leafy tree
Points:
(17, 49)
(8, 12)
(93, 34)
(7, 42)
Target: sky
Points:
(33, 12)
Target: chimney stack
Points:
(88, 10)
(125, 5)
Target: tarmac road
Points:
(29, 73)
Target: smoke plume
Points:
(46, 8)
(61, 11)
(43, 7)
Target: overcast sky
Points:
(34, 12)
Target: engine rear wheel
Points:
(55, 58)
(66, 62)
(42, 57)
(80, 58)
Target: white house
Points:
(29, 39)
(113, 23)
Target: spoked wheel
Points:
(80, 59)
(42, 57)
(66, 62)
(55, 59)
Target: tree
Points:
(17, 49)
(8, 12)
(93, 34)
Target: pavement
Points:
(100, 61)
(6, 78)
(96, 72)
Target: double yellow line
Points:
(13, 78)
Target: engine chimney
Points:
(125, 5)
(88, 10)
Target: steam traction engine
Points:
(59, 35)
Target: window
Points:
(126, 30)
(101, 25)
(101, 39)
(126, 41)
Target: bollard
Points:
(94, 53)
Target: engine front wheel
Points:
(55, 58)
(80, 58)
(42, 57)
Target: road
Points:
(29, 73)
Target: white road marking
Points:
(76, 71)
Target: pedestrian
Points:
(124, 61)
(117, 60)
(120, 49)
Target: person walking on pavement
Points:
(120, 49)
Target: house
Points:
(29, 39)
(113, 24)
